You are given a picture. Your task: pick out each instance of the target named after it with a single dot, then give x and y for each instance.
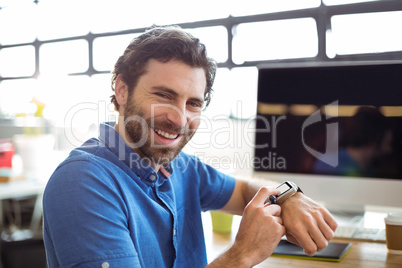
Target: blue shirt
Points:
(347, 166)
(104, 204)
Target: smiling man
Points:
(169, 98)
(131, 198)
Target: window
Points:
(14, 27)
(366, 33)
(16, 96)
(123, 15)
(282, 39)
(228, 94)
(343, 2)
(244, 79)
(187, 11)
(59, 47)
(215, 39)
(64, 57)
(108, 49)
(251, 7)
(59, 19)
(221, 96)
(19, 61)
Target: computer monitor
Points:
(334, 129)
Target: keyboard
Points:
(360, 233)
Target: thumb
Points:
(261, 196)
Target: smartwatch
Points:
(287, 190)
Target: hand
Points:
(260, 229)
(307, 223)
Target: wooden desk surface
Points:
(363, 254)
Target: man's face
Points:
(164, 110)
(385, 147)
(377, 151)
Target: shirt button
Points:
(174, 232)
(152, 177)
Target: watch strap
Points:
(299, 190)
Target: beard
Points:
(141, 130)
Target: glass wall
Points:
(62, 52)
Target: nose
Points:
(177, 115)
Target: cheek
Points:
(194, 122)
(162, 110)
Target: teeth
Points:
(166, 135)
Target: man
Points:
(132, 199)
(366, 140)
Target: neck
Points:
(361, 155)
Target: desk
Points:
(21, 188)
(363, 254)
(24, 188)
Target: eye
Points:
(195, 104)
(164, 96)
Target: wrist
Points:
(292, 202)
(241, 255)
(235, 256)
(225, 261)
(287, 190)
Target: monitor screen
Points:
(335, 125)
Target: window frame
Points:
(322, 15)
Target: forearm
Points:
(233, 257)
(259, 233)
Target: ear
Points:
(121, 92)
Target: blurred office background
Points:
(62, 52)
(59, 55)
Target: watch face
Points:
(283, 188)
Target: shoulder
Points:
(85, 169)
(82, 184)
(91, 155)
(77, 165)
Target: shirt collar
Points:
(112, 140)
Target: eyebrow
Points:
(175, 94)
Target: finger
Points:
(283, 230)
(260, 196)
(311, 250)
(330, 220)
(320, 233)
(326, 230)
(274, 192)
(292, 239)
(279, 220)
(274, 210)
(309, 246)
(327, 225)
(319, 239)
(305, 240)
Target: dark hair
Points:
(366, 127)
(162, 43)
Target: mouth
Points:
(166, 135)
